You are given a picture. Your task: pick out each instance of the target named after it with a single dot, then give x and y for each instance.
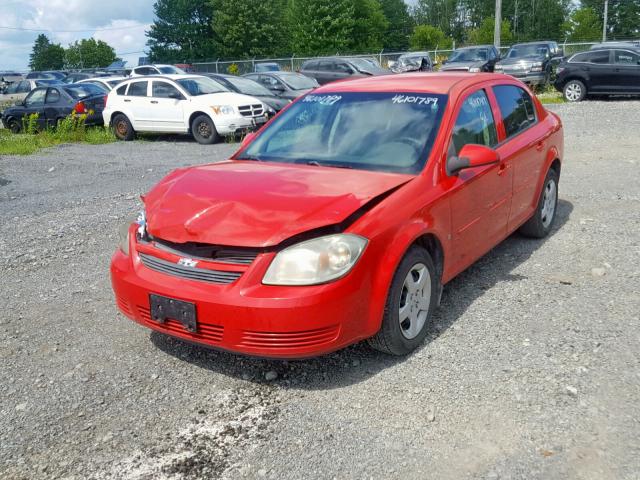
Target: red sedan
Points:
(342, 218)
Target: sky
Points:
(120, 23)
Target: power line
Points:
(20, 29)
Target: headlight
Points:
(315, 261)
(223, 109)
(474, 69)
(123, 232)
(536, 67)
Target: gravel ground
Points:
(531, 370)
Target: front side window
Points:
(36, 97)
(137, 89)
(475, 124)
(165, 90)
(392, 132)
(516, 106)
(601, 57)
(624, 57)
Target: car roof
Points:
(540, 42)
(439, 83)
(479, 46)
(168, 76)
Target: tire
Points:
(204, 131)
(14, 126)
(541, 223)
(122, 128)
(574, 91)
(398, 335)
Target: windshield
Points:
(363, 64)
(469, 55)
(82, 90)
(413, 59)
(297, 81)
(519, 51)
(391, 132)
(267, 67)
(170, 70)
(44, 83)
(200, 86)
(248, 87)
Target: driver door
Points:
(480, 197)
(34, 104)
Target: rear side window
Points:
(137, 89)
(122, 89)
(516, 106)
(475, 124)
(312, 65)
(325, 66)
(53, 96)
(623, 57)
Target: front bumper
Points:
(530, 78)
(238, 124)
(248, 317)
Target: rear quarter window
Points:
(516, 107)
(121, 90)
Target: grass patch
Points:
(548, 94)
(70, 130)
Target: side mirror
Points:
(472, 156)
(277, 88)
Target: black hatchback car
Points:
(326, 70)
(607, 71)
(250, 87)
(289, 85)
(54, 103)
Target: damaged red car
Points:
(342, 219)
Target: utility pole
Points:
(498, 25)
(604, 24)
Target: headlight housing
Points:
(316, 261)
(123, 232)
(474, 69)
(223, 109)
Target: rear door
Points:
(52, 107)
(626, 70)
(523, 148)
(600, 71)
(166, 107)
(137, 101)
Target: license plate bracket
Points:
(163, 308)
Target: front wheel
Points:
(412, 297)
(574, 91)
(204, 131)
(14, 126)
(540, 224)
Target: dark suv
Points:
(481, 58)
(607, 71)
(326, 70)
(533, 63)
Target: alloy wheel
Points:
(549, 203)
(415, 299)
(573, 92)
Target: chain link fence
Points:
(293, 64)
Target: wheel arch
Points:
(197, 113)
(118, 112)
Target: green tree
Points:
(582, 25)
(428, 37)
(182, 31)
(450, 16)
(46, 55)
(484, 33)
(320, 27)
(369, 27)
(250, 28)
(396, 38)
(623, 17)
(89, 53)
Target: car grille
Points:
(307, 338)
(251, 110)
(190, 273)
(205, 332)
(209, 252)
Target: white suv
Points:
(181, 104)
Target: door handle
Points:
(503, 168)
(539, 146)
(154, 101)
(127, 100)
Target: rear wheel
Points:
(14, 126)
(574, 91)
(122, 128)
(412, 297)
(204, 131)
(540, 224)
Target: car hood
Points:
(225, 98)
(256, 204)
(462, 65)
(277, 103)
(522, 60)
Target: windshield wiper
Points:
(246, 156)
(328, 164)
